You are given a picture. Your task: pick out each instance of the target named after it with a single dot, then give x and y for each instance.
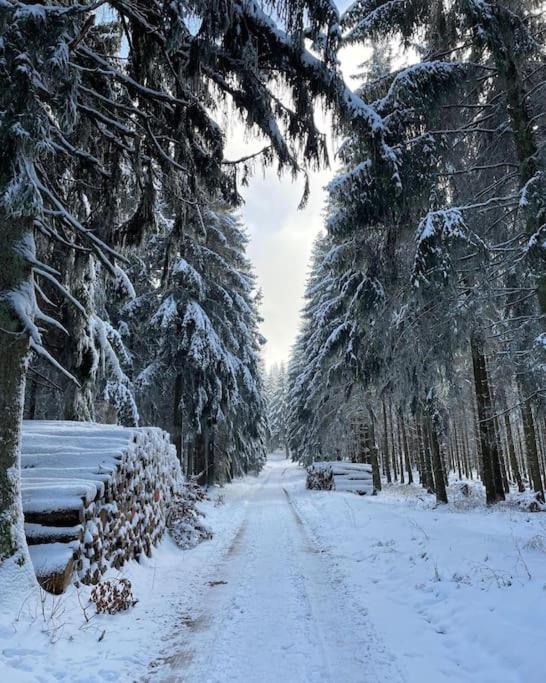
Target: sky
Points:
(281, 236)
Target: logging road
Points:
(276, 608)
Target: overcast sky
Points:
(281, 237)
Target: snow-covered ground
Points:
(457, 594)
(312, 586)
(52, 641)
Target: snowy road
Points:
(276, 610)
(305, 586)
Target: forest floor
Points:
(305, 586)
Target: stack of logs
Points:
(340, 476)
(94, 496)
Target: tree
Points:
(278, 408)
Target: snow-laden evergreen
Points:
(108, 112)
(200, 372)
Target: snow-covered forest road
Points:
(277, 610)
(304, 586)
(301, 586)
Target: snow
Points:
(52, 640)
(301, 585)
(454, 590)
(48, 558)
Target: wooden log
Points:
(38, 534)
(57, 582)
(60, 518)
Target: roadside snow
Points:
(458, 592)
(52, 641)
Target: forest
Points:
(422, 337)
(127, 293)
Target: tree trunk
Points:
(425, 435)
(406, 449)
(401, 452)
(211, 462)
(491, 472)
(15, 280)
(394, 459)
(531, 448)
(504, 477)
(512, 454)
(374, 460)
(477, 441)
(457, 451)
(386, 445)
(200, 458)
(177, 416)
(437, 468)
(469, 465)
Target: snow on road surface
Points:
(276, 610)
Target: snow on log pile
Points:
(340, 476)
(94, 496)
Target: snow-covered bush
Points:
(537, 543)
(184, 519)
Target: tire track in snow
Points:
(277, 612)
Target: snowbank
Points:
(457, 591)
(61, 638)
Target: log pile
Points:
(340, 476)
(94, 496)
(320, 478)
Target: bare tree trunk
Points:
(394, 459)
(32, 393)
(12, 391)
(531, 448)
(468, 461)
(504, 477)
(437, 468)
(15, 281)
(477, 440)
(400, 450)
(211, 462)
(177, 415)
(456, 451)
(426, 479)
(374, 460)
(512, 453)
(406, 449)
(420, 454)
(491, 473)
(386, 445)
(200, 457)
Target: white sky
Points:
(281, 236)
